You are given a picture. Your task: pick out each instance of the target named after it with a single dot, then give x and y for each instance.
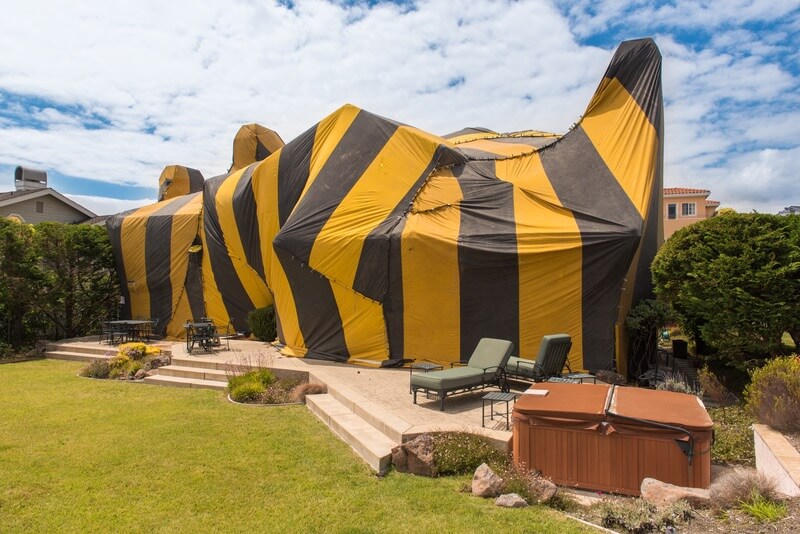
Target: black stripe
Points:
(317, 312)
(637, 66)
(355, 152)
(465, 131)
(487, 258)
(114, 229)
(158, 258)
(536, 142)
(234, 297)
(371, 277)
(195, 180)
(393, 300)
(261, 151)
(246, 216)
(194, 288)
(610, 230)
(293, 168)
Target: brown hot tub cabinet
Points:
(610, 438)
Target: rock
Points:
(485, 483)
(510, 500)
(415, 456)
(661, 494)
(545, 489)
(140, 374)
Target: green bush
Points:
(459, 453)
(247, 391)
(96, 369)
(733, 443)
(677, 383)
(762, 509)
(640, 516)
(265, 377)
(773, 396)
(118, 366)
(262, 323)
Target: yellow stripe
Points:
(337, 249)
(501, 149)
(625, 139)
(252, 283)
(362, 323)
(466, 138)
(549, 253)
(431, 285)
(185, 225)
(329, 132)
(132, 238)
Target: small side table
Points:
(581, 377)
(496, 396)
(422, 366)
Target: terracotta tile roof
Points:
(675, 191)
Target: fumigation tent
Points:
(378, 242)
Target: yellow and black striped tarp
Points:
(177, 180)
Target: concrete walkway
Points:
(378, 389)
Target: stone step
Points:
(384, 421)
(182, 382)
(199, 361)
(74, 356)
(193, 372)
(366, 440)
(95, 349)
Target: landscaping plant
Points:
(733, 437)
(773, 395)
(459, 453)
(263, 324)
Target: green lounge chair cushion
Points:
(447, 379)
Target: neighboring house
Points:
(790, 210)
(684, 206)
(34, 202)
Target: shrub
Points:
(713, 388)
(763, 510)
(299, 393)
(773, 396)
(134, 351)
(96, 369)
(262, 323)
(459, 453)
(741, 485)
(677, 382)
(118, 365)
(639, 516)
(264, 377)
(733, 443)
(247, 391)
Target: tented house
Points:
(177, 180)
(379, 243)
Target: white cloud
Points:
(108, 206)
(175, 80)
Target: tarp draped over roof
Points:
(378, 241)
(177, 180)
(160, 277)
(252, 143)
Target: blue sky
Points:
(104, 98)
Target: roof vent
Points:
(26, 179)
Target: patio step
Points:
(183, 382)
(83, 351)
(366, 440)
(184, 371)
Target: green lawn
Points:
(80, 455)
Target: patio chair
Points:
(549, 363)
(484, 368)
(229, 333)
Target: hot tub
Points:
(610, 438)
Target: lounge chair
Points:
(484, 368)
(549, 362)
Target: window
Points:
(688, 209)
(39, 206)
(672, 211)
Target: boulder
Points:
(511, 500)
(415, 456)
(545, 489)
(485, 483)
(140, 374)
(661, 494)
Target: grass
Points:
(733, 443)
(81, 455)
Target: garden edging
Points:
(777, 458)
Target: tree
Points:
(734, 281)
(79, 282)
(19, 282)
